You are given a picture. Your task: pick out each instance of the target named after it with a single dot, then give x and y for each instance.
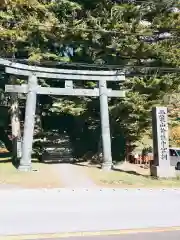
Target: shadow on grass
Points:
(5, 160)
(5, 157)
(49, 160)
(91, 165)
(55, 162)
(131, 172)
(84, 164)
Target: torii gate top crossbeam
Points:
(23, 69)
(64, 76)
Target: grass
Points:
(130, 176)
(44, 177)
(125, 178)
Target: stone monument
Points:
(161, 166)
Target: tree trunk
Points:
(15, 125)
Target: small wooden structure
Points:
(32, 88)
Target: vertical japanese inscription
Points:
(160, 136)
(163, 134)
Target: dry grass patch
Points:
(44, 177)
(124, 177)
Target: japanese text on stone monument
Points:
(163, 134)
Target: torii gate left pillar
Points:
(25, 162)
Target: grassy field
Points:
(129, 177)
(44, 177)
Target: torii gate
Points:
(32, 89)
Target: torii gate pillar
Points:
(105, 128)
(32, 89)
(25, 162)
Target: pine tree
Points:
(123, 33)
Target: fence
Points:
(143, 159)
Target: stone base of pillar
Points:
(25, 168)
(163, 172)
(106, 166)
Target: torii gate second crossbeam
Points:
(32, 89)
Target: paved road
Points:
(174, 235)
(68, 210)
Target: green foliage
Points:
(99, 32)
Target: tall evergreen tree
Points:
(122, 33)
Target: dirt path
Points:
(72, 176)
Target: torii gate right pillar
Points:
(105, 126)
